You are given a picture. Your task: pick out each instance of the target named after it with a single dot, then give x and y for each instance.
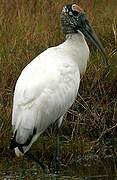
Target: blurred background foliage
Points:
(29, 27)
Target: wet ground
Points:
(88, 168)
(100, 163)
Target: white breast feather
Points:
(45, 90)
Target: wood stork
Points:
(48, 85)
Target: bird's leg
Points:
(42, 165)
(56, 159)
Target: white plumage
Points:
(47, 87)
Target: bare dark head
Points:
(73, 20)
(70, 18)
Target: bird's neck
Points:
(77, 48)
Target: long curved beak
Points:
(90, 34)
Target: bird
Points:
(49, 84)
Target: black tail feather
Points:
(14, 144)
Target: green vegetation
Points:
(26, 29)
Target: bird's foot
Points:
(40, 162)
(56, 165)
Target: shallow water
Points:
(59, 177)
(96, 169)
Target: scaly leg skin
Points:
(56, 158)
(44, 167)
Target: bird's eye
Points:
(73, 13)
(70, 13)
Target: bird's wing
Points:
(44, 91)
